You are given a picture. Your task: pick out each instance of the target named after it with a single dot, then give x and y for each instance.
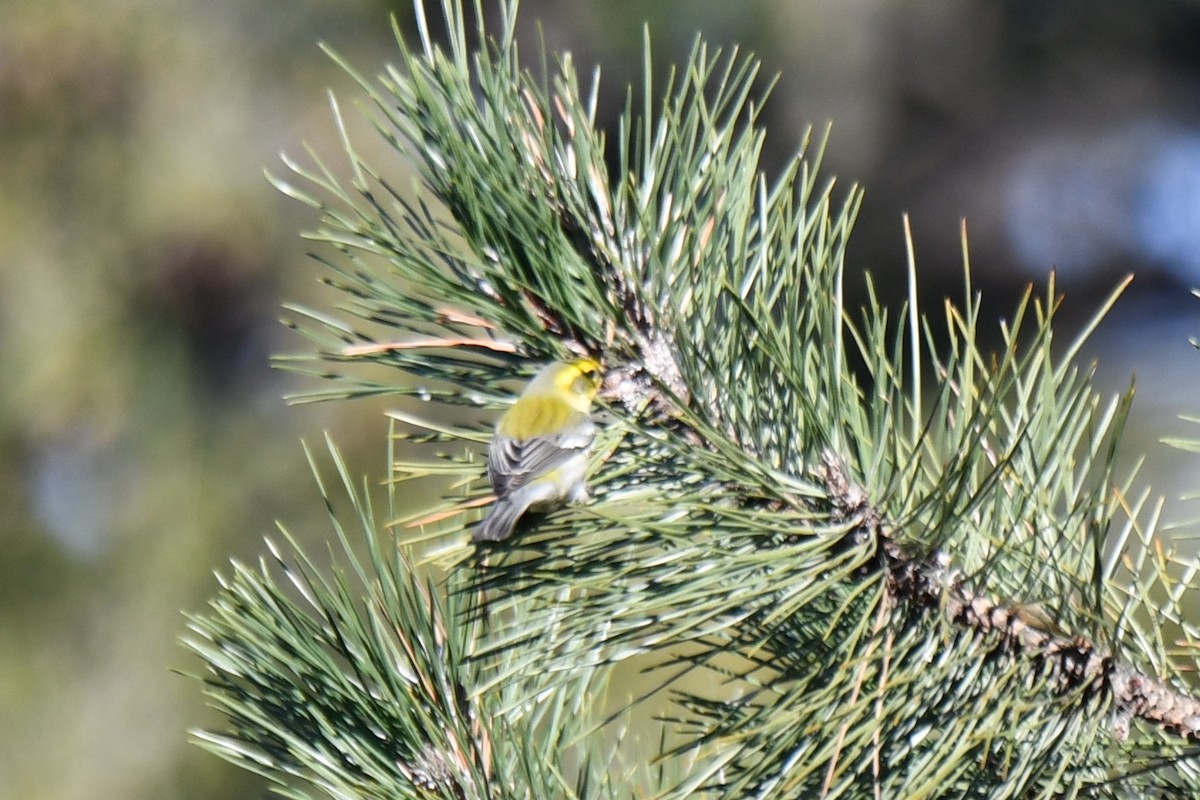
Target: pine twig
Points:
(1069, 664)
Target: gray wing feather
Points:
(535, 456)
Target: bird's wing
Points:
(512, 462)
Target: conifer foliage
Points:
(855, 555)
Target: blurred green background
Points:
(143, 259)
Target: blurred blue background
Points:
(143, 259)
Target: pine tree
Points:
(844, 552)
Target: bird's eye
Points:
(585, 382)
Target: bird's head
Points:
(578, 379)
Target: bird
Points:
(538, 456)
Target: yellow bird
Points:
(538, 457)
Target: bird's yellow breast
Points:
(535, 415)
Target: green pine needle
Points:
(758, 441)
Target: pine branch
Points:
(927, 581)
(375, 695)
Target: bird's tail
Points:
(501, 519)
